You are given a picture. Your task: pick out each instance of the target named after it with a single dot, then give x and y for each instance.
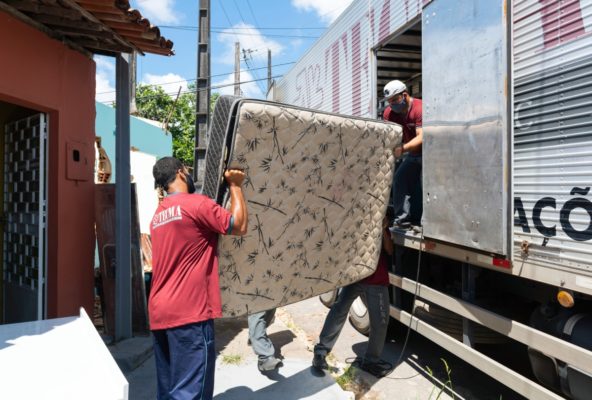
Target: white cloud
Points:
(250, 38)
(105, 63)
(158, 11)
(169, 82)
(105, 76)
(326, 10)
(296, 43)
(105, 92)
(249, 89)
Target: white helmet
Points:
(392, 88)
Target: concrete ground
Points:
(412, 379)
(237, 376)
(421, 375)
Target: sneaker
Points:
(401, 225)
(269, 364)
(319, 362)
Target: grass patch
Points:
(291, 325)
(233, 359)
(351, 381)
(348, 379)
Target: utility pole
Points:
(237, 69)
(123, 201)
(202, 101)
(268, 70)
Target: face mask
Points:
(190, 183)
(400, 107)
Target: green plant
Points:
(446, 384)
(179, 115)
(347, 379)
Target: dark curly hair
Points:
(164, 172)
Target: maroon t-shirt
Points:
(408, 122)
(185, 286)
(380, 276)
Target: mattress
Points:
(317, 187)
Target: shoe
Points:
(319, 362)
(401, 224)
(269, 364)
(379, 369)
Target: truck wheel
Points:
(359, 318)
(329, 298)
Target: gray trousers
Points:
(260, 342)
(377, 301)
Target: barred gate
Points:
(24, 219)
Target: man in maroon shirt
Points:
(375, 291)
(407, 194)
(185, 294)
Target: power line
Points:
(194, 27)
(334, 9)
(259, 34)
(267, 35)
(236, 34)
(249, 51)
(239, 11)
(252, 70)
(228, 18)
(253, 14)
(193, 79)
(196, 90)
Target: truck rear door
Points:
(467, 124)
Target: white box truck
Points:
(505, 248)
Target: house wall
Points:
(43, 74)
(144, 136)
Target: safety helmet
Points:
(392, 88)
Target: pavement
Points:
(237, 376)
(422, 374)
(426, 371)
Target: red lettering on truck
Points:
(562, 21)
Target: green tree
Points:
(154, 103)
(213, 99)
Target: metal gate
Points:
(24, 219)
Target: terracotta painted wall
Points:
(41, 73)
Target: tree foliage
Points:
(154, 103)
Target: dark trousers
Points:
(185, 361)
(407, 191)
(377, 302)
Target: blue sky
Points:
(287, 27)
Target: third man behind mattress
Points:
(407, 191)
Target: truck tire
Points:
(329, 298)
(358, 316)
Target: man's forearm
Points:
(414, 144)
(387, 243)
(238, 209)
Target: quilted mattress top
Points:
(317, 188)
